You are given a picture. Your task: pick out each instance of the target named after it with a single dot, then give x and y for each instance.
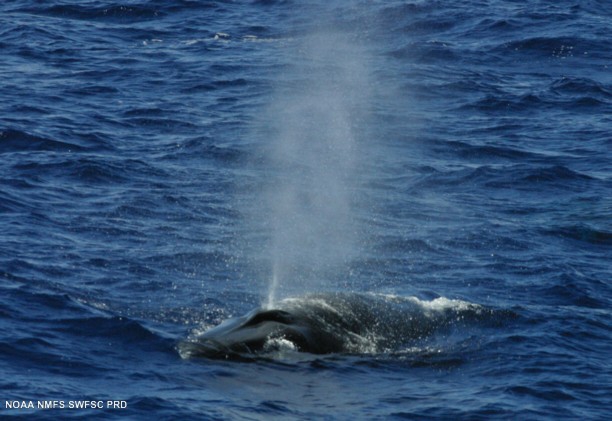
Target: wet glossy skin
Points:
(250, 333)
(328, 323)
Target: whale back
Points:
(333, 323)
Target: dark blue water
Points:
(134, 141)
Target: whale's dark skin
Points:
(326, 324)
(249, 334)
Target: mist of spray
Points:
(312, 158)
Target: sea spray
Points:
(272, 289)
(312, 162)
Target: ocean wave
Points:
(426, 52)
(15, 34)
(553, 99)
(91, 169)
(436, 24)
(111, 12)
(171, 125)
(571, 292)
(496, 26)
(401, 246)
(500, 104)
(554, 175)
(92, 90)
(581, 86)
(35, 352)
(514, 176)
(555, 47)
(205, 147)
(12, 140)
(394, 13)
(10, 200)
(584, 233)
(479, 151)
(58, 314)
(119, 327)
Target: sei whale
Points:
(333, 323)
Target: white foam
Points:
(437, 304)
(442, 303)
(221, 36)
(279, 345)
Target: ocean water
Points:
(166, 165)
